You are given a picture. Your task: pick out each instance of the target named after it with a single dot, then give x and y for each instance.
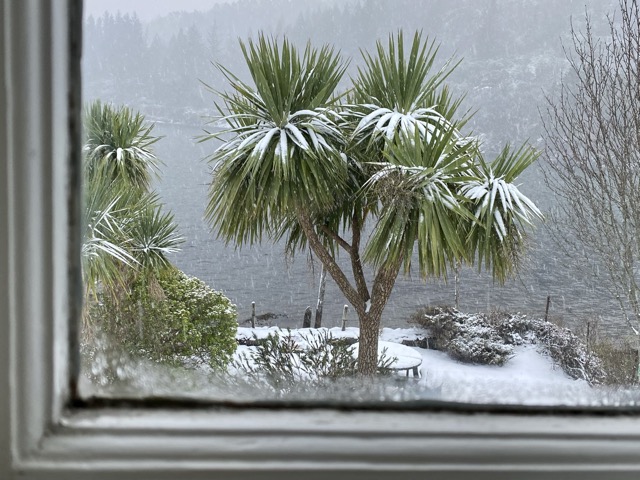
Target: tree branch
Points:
(329, 262)
(341, 241)
(356, 262)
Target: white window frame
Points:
(44, 436)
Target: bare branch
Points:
(593, 155)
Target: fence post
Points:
(306, 323)
(546, 310)
(456, 290)
(253, 314)
(345, 311)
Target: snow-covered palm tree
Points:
(125, 230)
(299, 163)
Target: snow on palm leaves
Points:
(281, 129)
(312, 132)
(499, 207)
(296, 162)
(398, 94)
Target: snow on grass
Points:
(528, 377)
(396, 335)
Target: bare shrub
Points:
(593, 156)
(282, 364)
(619, 361)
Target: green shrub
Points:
(172, 317)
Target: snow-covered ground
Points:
(529, 377)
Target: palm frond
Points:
(397, 93)
(118, 145)
(104, 252)
(501, 210)
(418, 188)
(152, 236)
(281, 147)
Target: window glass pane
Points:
(439, 205)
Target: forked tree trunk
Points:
(368, 307)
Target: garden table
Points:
(405, 358)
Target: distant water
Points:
(263, 275)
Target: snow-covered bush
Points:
(467, 338)
(565, 348)
(489, 339)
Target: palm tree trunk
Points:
(370, 318)
(369, 308)
(368, 351)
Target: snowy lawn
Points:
(529, 377)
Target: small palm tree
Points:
(104, 249)
(126, 235)
(151, 234)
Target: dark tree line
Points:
(159, 75)
(157, 67)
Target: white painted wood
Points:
(40, 440)
(5, 416)
(33, 211)
(374, 443)
(37, 237)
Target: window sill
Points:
(317, 443)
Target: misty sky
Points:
(147, 9)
